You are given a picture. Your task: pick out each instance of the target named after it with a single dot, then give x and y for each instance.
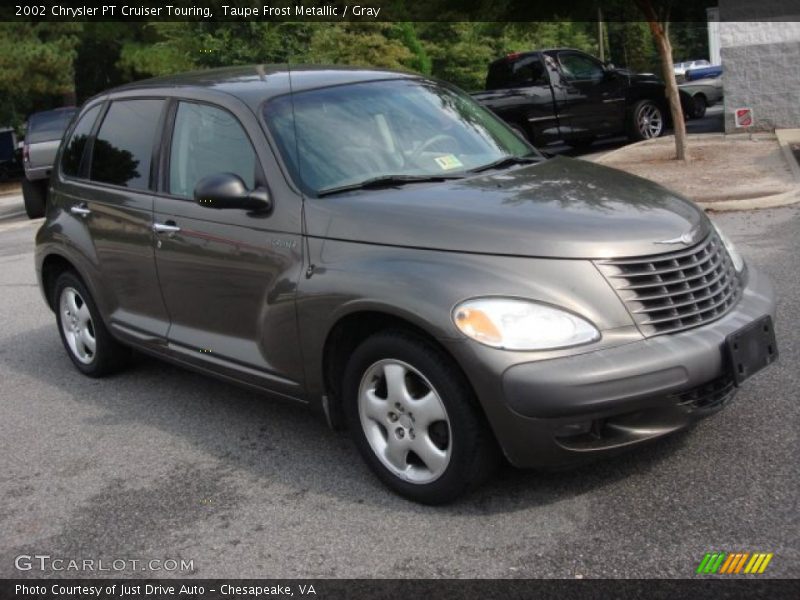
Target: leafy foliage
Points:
(36, 66)
(40, 63)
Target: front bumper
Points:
(564, 410)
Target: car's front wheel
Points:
(87, 341)
(34, 196)
(646, 121)
(414, 419)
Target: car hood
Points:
(557, 208)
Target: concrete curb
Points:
(787, 137)
(772, 201)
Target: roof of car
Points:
(256, 83)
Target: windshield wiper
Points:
(508, 161)
(387, 181)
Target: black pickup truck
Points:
(570, 96)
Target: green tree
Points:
(689, 40)
(419, 61)
(36, 67)
(97, 61)
(459, 52)
(362, 44)
(631, 46)
(172, 47)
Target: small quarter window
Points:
(205, 141)
(73, 151)
(123, 150)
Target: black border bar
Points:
(405, 589)
(397, 10)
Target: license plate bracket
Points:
(751, 348)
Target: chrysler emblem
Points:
(684, 239)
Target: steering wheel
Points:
(439, 137)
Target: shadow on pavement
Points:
(279, 442)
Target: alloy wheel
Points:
(650, 121)
(405, 421)
(77, 325)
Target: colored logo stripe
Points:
(725, 563)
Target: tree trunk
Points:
(658, 28)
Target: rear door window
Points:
(123, 150)
(527, 72)
(579, 67)
(73, 151)
(522, 72)
(208, 140)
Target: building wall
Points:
(761, 62)
(713, 35)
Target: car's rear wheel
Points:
(34, 196)
(414, 419)
(646, 121)
(84, 335)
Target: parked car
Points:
(383, 249)
(42, 136)
(681, 67)
(704, 72)
(704, 93)
(568, 95)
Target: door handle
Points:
(80, 210)
(168, 227)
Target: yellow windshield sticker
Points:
(447, 162)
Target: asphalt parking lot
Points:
(160, 463)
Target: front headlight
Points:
(736, 258)
(521, 324)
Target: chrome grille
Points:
(676, 290)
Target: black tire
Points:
(699, 106)
(34, 195)
(109, 355)
(637, 131)
(473, 452)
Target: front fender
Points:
(423, 286)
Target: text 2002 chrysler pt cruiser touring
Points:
(379, 246)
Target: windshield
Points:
(361, 132)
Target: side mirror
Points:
(227, 190)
